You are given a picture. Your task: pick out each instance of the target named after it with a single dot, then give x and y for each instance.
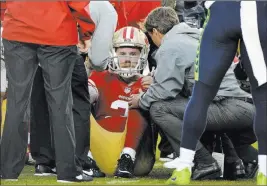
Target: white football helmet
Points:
(133, 38)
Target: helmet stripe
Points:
(124, 33)
(132, 33)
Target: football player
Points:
(110, 92)
(244, 21)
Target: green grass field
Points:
(158, 176)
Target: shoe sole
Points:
(44, 174)
(213, 176)
(253, 174)
(123, 175)
(66, 181)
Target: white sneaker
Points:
(172, 164)
(80, 178)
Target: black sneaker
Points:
(251, 169)
(91, 169)
(202, 171)
(234, 170)
(43, 170)
(125, 167)
(80, 178)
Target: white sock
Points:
(186, 159)
(29, 138)
(263, 164)
(130, 151)
(90, 155)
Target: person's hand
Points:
(134, 102)
(146, 82)
(84, 46)
(141, 25)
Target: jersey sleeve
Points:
(80, 10)
(98, 78)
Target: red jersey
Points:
(114, 94)
(47, 22)
(2, 9)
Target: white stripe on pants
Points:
(250, 32)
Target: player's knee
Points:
(157, 110)
(135, 117)
(144, 166)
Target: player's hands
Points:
(134, 102)
(84, 46)
(146, 82)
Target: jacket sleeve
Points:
(80, 11)
(105, 18)
(168, 79)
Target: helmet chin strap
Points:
(130, 79)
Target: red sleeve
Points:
(80, 10)
(3, 9)
(95, 77)
(99, 78)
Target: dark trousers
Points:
(220, 42)
(57, 65)
(42, 147)
(145, 153)
(231, 116)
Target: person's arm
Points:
(80, 11)
(168, 79)
(105, 18)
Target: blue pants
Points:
(227, 24)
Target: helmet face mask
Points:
(130, 51)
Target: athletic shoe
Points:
(125, 167)
(80, 178)
(261, 179)
(181, 177)
(43, 170)
(92, 169)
